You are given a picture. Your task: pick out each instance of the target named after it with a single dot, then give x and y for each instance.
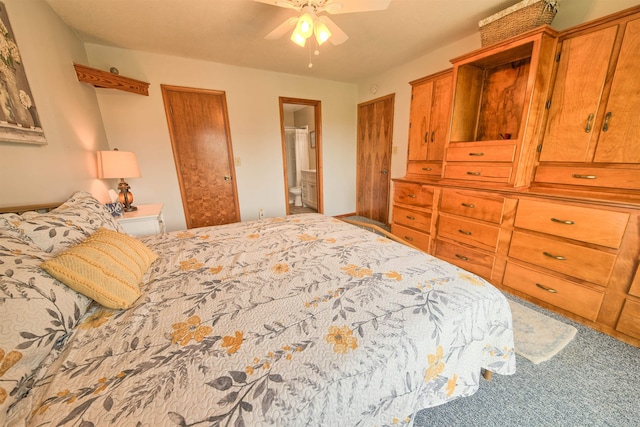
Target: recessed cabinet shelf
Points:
(104, 79)
(498, 101)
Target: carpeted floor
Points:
(593, 381)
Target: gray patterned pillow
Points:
(67, 225)
(37, 313)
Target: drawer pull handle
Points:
(550, 290)
(576, 175)
(412, 218)
(562, 221)
(589, 122)
(408, 238)
(473, 173)
(607, 117)
(411, 196)
(468, 205)
(466, 233)
(427, 169)
(464, 258)
(558, 257)
(476, 154)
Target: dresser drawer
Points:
(420, 240)
(420, 220)
(591, 177)
(472, 233)
(413, 194)
(475, 172)
(565, 294)
(578, 261)
(483, 206)
(480, 153)
(597, 226)
(424, 168)
(629, 321)
(471, 260)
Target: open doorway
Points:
(301, 130)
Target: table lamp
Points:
(119, 164)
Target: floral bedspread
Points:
(295, 321)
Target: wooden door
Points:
(576, 97)
(201, 141)
(375, 138)
(620, 131)
(440, 115)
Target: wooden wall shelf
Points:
(105, 79)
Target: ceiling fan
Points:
(309, 22)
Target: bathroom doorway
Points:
(301, 130)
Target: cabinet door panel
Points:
(619, 136)
(440, 114)
(576, 96)
(421, 96)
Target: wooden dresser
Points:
(537, 184)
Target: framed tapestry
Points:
(19, 121)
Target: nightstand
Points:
(144, 221)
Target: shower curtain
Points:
(302, 153)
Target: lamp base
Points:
(125, 196)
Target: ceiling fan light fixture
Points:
(321, 31)
(298, 38)
(305, 25)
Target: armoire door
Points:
(375, 138)
(201, 141)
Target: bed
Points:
(293, 321)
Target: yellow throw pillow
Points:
(107, 267)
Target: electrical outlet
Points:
(260, 213)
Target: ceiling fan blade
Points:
(352, 6)
(337, 35)
(281, 3)
(282, 29)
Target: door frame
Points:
(317, 117)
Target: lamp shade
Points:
(117, 164)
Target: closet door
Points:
(201, 141)
(375, 136)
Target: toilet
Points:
(295, 194)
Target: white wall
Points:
(396, 80)
(138, 123)
(68, 111)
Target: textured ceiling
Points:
(232, 32)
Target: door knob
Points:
(383, 171)
(227, 178)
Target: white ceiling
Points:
(232, 32)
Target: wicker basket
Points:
(523, 16)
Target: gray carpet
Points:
(369, 221)
(594, 381)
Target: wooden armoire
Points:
(535, 184)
